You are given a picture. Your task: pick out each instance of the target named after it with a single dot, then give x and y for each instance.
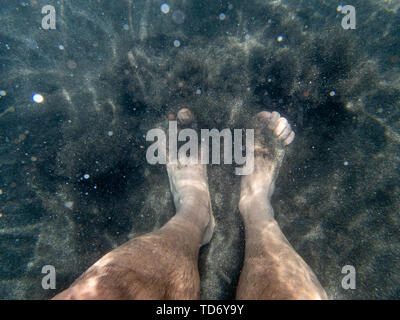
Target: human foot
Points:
(189, 185)
(272, 134)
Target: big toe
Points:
(185, 116)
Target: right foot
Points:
(189, 185)
(272, 134)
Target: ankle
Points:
(195, 212)
(256, 208)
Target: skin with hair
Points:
(163, 264)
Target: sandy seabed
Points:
(111, 72)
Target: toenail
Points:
(282, 123)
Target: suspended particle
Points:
(165, 8)
(71, 64)
(38, 98)
(178, 17)
(177, 43)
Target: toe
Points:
(185, 116)
(273, 121)
(289, 139)
(285, 133)
(263, 115)
(280, 127)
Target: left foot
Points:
(189, 184)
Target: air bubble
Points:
(165, 8)
(177, 43)
(38, 98)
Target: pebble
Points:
(68, 204)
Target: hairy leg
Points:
(272, 268)
(160, 264)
